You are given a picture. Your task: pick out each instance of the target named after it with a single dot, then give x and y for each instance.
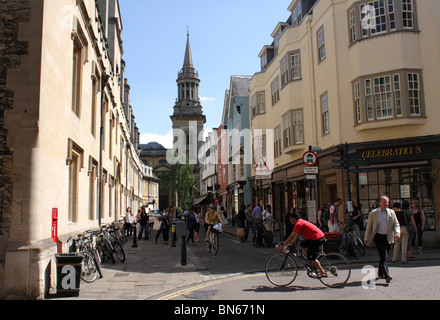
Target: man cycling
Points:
(212, 218)
(314, 238)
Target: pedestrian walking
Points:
(190, 224)
(267, 218)
(197, 215)
(411, 226)
(419, 219)
(143, 219)
(249, 222)
(128, 222)
(322, 220)
(241, 220)
(333, 219)
(289, 225)
(256, 213)
(382, 228)
(164, 228)
(402, 241)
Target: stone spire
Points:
(188, 62)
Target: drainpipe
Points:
(104, 80)
(312, 81)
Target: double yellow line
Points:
(206, 284)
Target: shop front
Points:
(404, 169)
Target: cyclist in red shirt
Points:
(314, 238)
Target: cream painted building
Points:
(62, 122)
(362, 72)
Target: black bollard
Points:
(173, 235)
(134, 236)
(183, 252)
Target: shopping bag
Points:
(156, 225)
(240, 232)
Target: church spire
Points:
(188, 63)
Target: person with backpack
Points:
(333, 216)
(323, 216)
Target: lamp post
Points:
(104, 80)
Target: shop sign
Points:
(392, 152)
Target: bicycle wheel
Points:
(360, 246)
(108, 253)
(337, 268)
(89, 272)
(281, 269)
(120, 254)
(215, 242)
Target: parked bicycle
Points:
(282, 268)
(89, 267)
(262, 236)
(351, 244)
(113, 243)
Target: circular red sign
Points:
(310, 158)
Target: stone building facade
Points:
(68, 137)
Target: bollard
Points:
(183, 252)
(173, 235)
(134, 236)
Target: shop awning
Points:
(200, 200)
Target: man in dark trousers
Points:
(382, 228)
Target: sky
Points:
(226, 37)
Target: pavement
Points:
(153, 269)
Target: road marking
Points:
(207, 284)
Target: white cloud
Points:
(164, 139)
(207, 99)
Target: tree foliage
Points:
(180, 178)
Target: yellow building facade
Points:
(361, 72)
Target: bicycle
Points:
(212, 243)
(262, 235)
(112, 243)
(351, 243)
(282, 269)
(89, 270)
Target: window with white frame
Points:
(293, 129)
(324, 114)
(382, 97)
(298, 127)
(321, 44)
(371, 18)
(295, 66)
(287, 129)
(369, 100)
(258, 103)
(284, 71)
(397, 97)
(408, 14)
(352, 25)
(357, 102)
(414, 94)
(386, 96)
(275, 90)
(297, 14)
(277, 141)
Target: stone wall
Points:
(12, 13)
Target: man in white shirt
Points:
(382, 228)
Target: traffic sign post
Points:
(310, 158)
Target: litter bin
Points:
(68, 267)
(333, 241)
